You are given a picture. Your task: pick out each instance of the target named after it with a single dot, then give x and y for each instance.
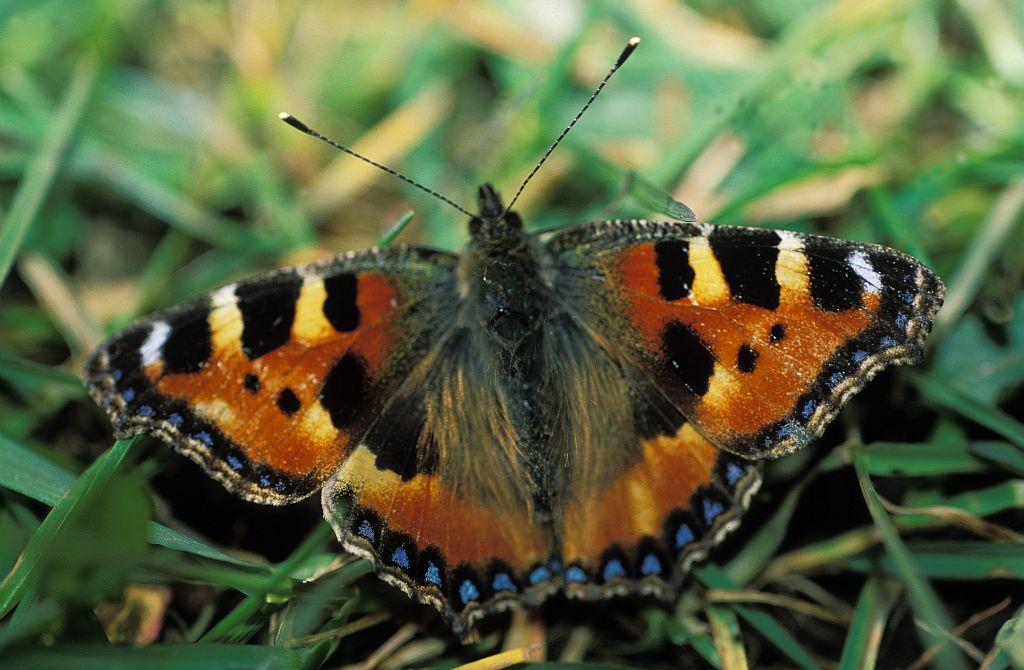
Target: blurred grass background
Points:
(142, 162)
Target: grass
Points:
(141, 162)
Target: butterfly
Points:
(584, 411)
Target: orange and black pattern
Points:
(758, 336)
(587, 415)
(270, 383)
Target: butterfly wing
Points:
(757, 336)
(351, 373)
(752, 341)
(459, 530)
(269, 383)
(638, 491)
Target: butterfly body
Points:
(584, 412)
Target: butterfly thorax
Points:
(501, 276)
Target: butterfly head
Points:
(494, 224)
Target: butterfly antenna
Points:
(631, 46)
(299, 125)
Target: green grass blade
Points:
(26, 472)
(923, 599)
(396, 229)
(989, 241)
(170, 206)
(714, 577)
(752, 558)
(1005, 455)
(157, 657)
(281, 574)
(895, 224)
(876, 600)
(1010, 639)
(945, 393)
(45, 163)
(76, 500)
(33, 621)
(935, 459)
(972, 560)
(15, 367)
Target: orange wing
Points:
(458, 528)
(731, 340)
(269, 383)
(352, 373)
(758, 336)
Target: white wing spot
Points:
(790, 241)
(861, 264)
(223, 296)
(152, 348)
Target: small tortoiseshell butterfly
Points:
(584, 412)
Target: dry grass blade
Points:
(45, 163)
(389, 647)
(961, 519)
(52, 290)
(505, 659)
(787, 602)
(923, 660)
(351, 627)
(725, 631)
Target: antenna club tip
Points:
(631, 46)
(293, 122)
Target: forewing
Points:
(757, 336)
(269, 383)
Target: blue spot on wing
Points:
(432, 575)
(887, 342)
(205, 438)
(711, 510)
(684, 536)
(808, 408)
(613, 569)
(236, 464)
(575, 574)
(366, 530)
(400, 558)
(651, 565)
(175, 419)
(733, 473)
(128, 395)
(787, 430)
(539, 575)
(859, 356)
(468, 591)
(502, 582)
(146, 411)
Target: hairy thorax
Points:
(504, 294)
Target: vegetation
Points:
(141, 162)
